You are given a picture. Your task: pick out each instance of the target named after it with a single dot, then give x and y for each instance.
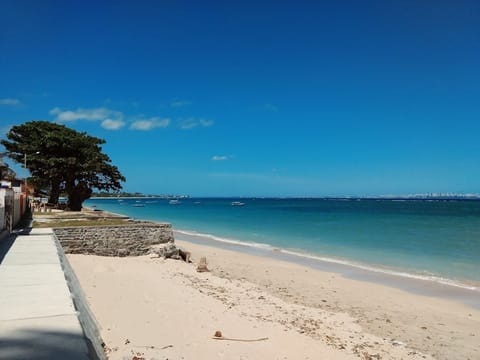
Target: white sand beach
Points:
(153, 308)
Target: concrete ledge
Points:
(89, 324)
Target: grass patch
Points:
(72, 223)
(41, 213)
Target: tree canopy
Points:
(63, 160)
(5, 171)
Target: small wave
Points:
(299, 254)
(227, 240)
(434, 278)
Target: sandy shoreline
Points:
(467, 292)
(167, 310)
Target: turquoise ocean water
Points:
(436, 240)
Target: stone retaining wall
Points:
(121, 240)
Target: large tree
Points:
(5, 172)
(63, 160)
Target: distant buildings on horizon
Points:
(429, 196)
(421, 196)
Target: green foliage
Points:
(72, 223)
(63, 159)
(6, 173)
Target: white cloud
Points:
(114, 120)
(110, 119)
(95, 114)
(10, 101)
(110, 124)
(191, 123)
(149, 124)
(188, 124)
(220, 158)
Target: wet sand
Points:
(165, 309)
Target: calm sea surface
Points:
(439, 240)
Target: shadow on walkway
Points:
(5, 245)
(24, 227)
(39, 345)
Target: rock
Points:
(202, 265)
(185, 255)
(122, 252)
(170, 251)
(167, 251)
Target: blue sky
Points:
(256, 97)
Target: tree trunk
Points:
(54, 192)
(77, 195)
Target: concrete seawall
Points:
(86, 318)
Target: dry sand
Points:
(163, 309)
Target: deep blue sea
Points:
(438, 240)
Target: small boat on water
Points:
(174, 202)
(138, 205)
(237, 203)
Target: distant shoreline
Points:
(346, 198)
(133, 197)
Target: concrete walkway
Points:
(38, 319)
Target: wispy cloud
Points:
(110, 124)
(180, 103)
(270, 107)
(110, 119)
(10, 102)
(94, 114)
(191, 123)
(206, 123)
(149, 124)
(114, 120)
(188, 124)
(5, 129)
(220, 158)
